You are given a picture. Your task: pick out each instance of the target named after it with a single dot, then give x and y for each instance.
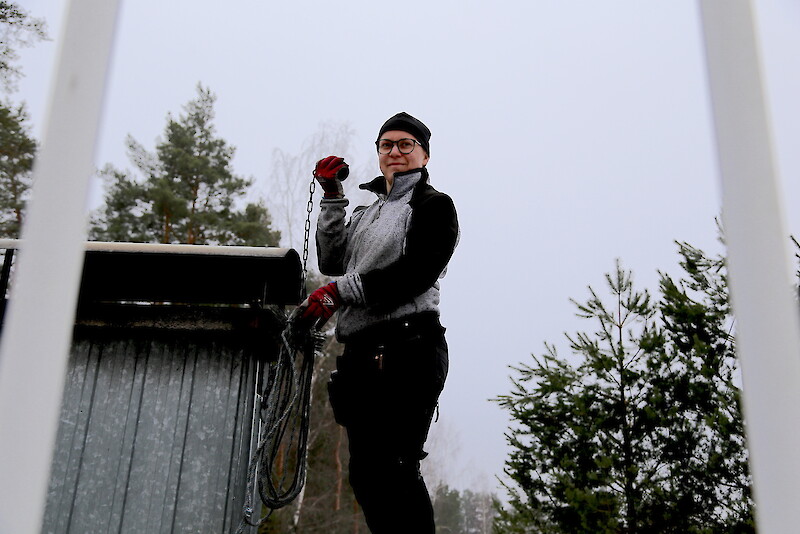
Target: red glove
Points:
(321, 304)
(330, 172)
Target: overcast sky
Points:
(569, 133)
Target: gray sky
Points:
(569, 133)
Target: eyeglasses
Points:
(405, 146)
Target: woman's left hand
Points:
(320, 305)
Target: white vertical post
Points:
(767, 318)
(37, 334)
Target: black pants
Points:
(385, 392)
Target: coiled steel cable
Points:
(278, 466)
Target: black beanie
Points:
(406, 123)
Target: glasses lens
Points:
(406, 145)
(384, 147)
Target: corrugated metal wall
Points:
(155, 433)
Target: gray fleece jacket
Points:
(391, 253)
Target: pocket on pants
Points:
(341, 399)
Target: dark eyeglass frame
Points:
(396, 143)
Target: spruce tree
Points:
(639, 429)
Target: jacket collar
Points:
(378, 185)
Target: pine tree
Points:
(17, 147)
(17, 152)
(188, 190)
(643, 432)
(17, 29)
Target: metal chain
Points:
(285, 405)
(309, 208)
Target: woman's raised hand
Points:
(330, 172)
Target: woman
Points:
(389, 258)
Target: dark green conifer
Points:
(639, 429)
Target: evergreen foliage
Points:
(643, 432)
(463, 512)
(17, 152)
(187, 193)
(17, 147)
(17, 28)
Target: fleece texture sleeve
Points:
(331, 236)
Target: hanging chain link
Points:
(284, 412)
(309, 208)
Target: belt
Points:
(366, 349)
(398, 329)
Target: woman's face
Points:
(395, 162)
